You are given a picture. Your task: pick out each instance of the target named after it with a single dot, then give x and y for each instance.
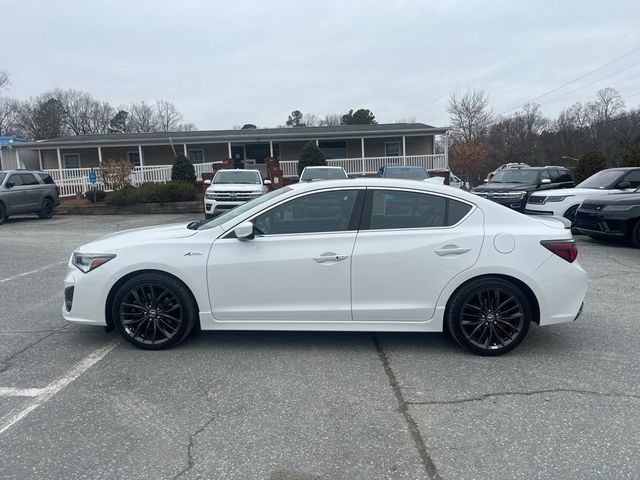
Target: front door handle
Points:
(451, 250)
(329, 257)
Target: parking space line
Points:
(20, 392)
(54, 387)
(30, 272)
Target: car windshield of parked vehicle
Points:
(2, 175)
(322, 174)
(249, 178)
(521, 175)
(240, 209)
(600, 180)
(407, 173)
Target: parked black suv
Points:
(511, 187)
(27, 191)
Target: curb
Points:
(141, 209)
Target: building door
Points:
(237, 154)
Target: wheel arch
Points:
(121, 281)
(533, 300)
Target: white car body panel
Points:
(274, 283)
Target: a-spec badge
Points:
(192, 254)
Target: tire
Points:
(3, 213)
(635, 235)
(154, 311)
(47, 208)
(489, 316)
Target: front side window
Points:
(392, 209)
(71, 160)
(196, 156)
(29, 179)
(314, 213)
(16, 180)
(392, 149)
(134, 158)
(633, 178)
(545, 175)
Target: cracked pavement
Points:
(308, 406)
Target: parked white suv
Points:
(231, 188)
(565, 201)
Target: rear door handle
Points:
(451, 250)
(329, 257)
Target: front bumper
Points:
(611, 225)
(85, 295)
(214, 207)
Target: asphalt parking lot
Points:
(76, 402)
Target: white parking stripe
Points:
(29, 273)
(20, 392)
(50, 390)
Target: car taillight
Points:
(565, 249)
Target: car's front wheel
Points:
(47, 208)
(154, 311)
(489, 316)
(3, 213)
(635, 235)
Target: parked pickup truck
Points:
(230, 188)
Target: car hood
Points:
(562, 192)
(136, 236)
(235, 187)
(622, 199)
(504, 187)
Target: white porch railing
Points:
(371, 165)
(71, 181)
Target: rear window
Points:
(322, 174)
(406, 173)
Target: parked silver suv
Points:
(27, 191)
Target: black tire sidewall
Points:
(635, 235)
(3, 213)
(43, 209)
(452, 320)
(176, 287)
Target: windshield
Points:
(240, 209)
(516, 176)
(2, 175)
(237, 177)
(322, 174)
(601, 180)
(407, 173)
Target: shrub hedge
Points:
(154, 193)
(95, 196)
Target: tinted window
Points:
(553, 174)
(633, 178)
(515, 175)
(29, 179)
(46, 178)
(456, 211)
(242, 177)
(15, 179)
(395, 209)
(545, 175)
(565, 176)
(322, 174)
(318, 212)
(2, 175)
(406, 173)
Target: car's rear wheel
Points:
(3, 213)
(153, 311)
(635, 235)
(489, 316)
(47, 208)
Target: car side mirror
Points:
(207, 182)
(267, 182)
(244, 231)
(545, 181)
(9, 185)
(624, 185)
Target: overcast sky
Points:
(226, 63)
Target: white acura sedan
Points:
(345, 255)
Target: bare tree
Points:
(168, 116)
(187, 127)
(406, 120)
(8, 116)
(470, 115)
(41, 117)
(83, 114)
(142, 118)
(4, 79)
(310, 120)
(330, 120)
(608, 104)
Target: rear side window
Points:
(392, 209)
(565, 176)
(553, 174)
(29, 179)
(46, 178)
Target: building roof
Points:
(6, 140)
(245, 136)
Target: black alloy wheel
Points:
(47, 208)
(489, 316)
(153, 311)
(3, 213)
(635, 235)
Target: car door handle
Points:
(329, 257)
(451, 250)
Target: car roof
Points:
(413, 167)
(312, 167)
(237, 170)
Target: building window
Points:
(196, 156)
(71, 160)
(392, 149)
(134, 158)
(333, 150)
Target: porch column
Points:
(40, 158)
(271, 148)
(364, 170)
(229, 147)
(317, 143)
(100, 156)
(446, 149)
(59, 159)
(184, 149)
(404, 151)
(140, 155)
(18, 159)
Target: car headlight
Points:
(85, 262)
(210, 196)
(558, 199)
(618, 208)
